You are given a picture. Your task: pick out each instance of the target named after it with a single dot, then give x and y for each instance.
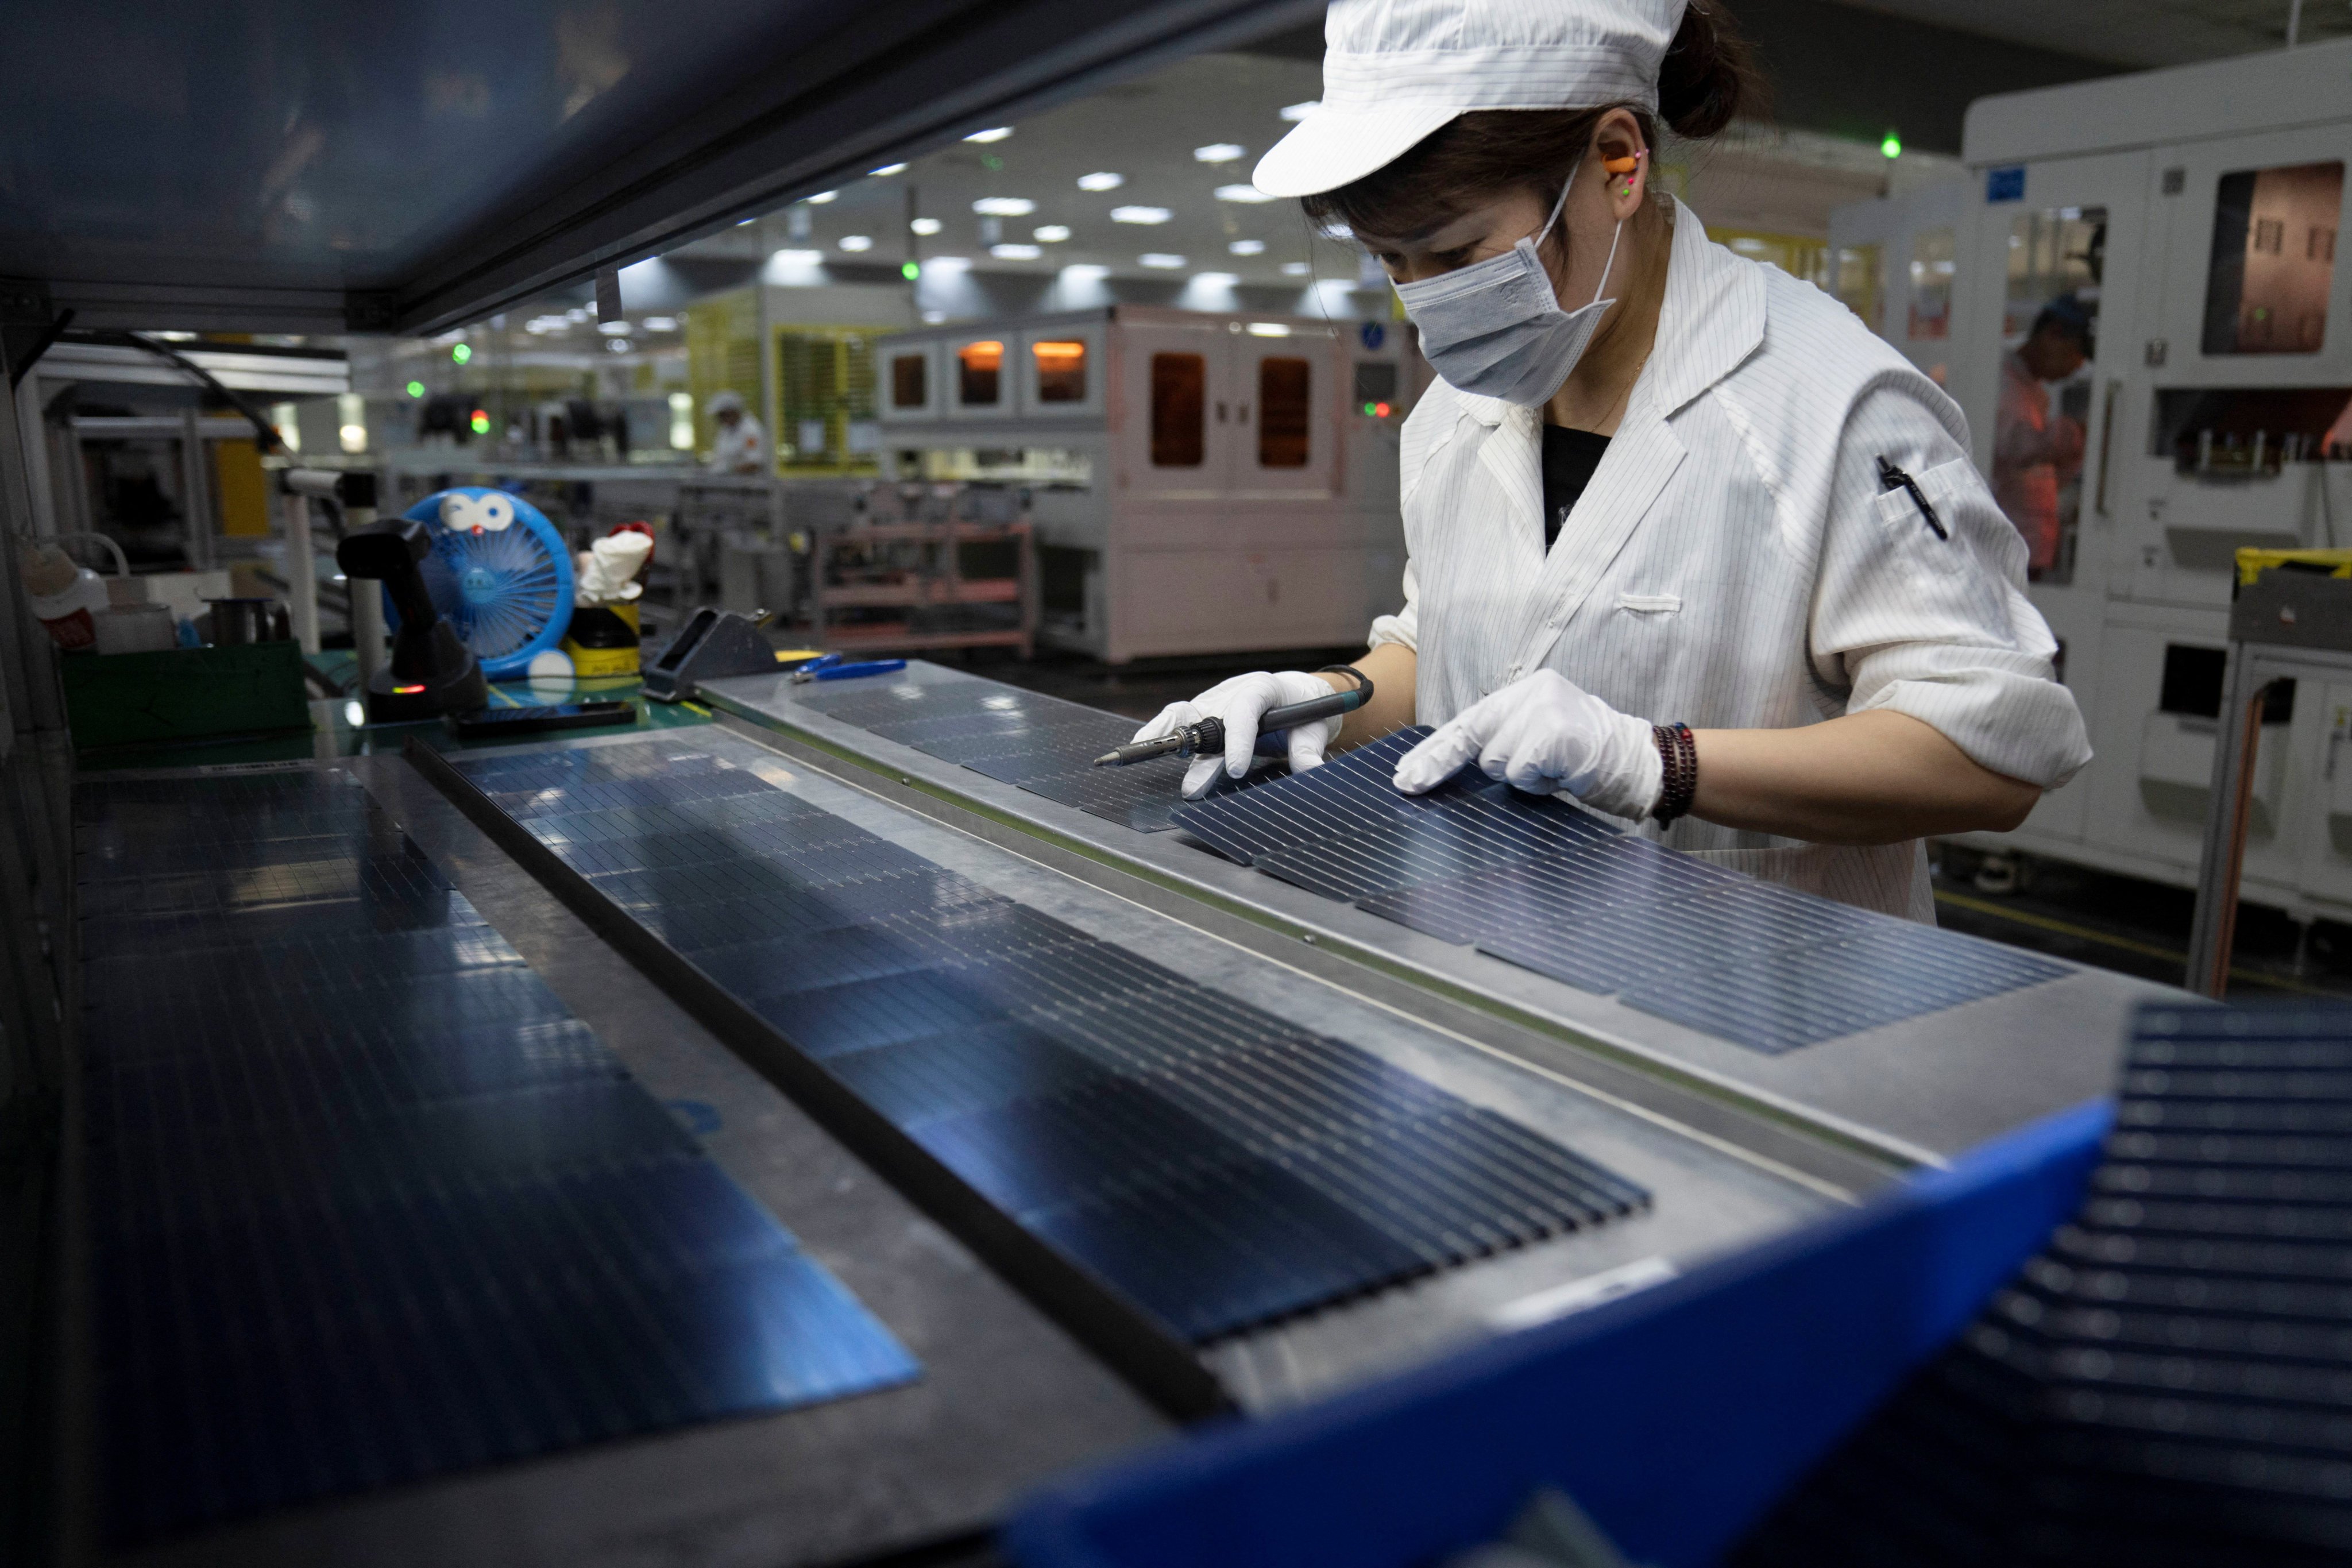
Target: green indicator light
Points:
(909, 271)
(415, 389)
(1891, 145)
(462, 353)
(481, 422)
(1368, 408)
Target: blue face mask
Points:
(1495, 329)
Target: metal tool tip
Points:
(1108, 759)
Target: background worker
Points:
(739, 445)
(2034, 451)
(1684, 539)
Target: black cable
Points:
(41, 346)
(270, 439)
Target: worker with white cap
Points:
(738, 446)
(1684, 540)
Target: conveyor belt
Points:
(2167, 1383)
(1217, 1166)
(367, 1203)
(1547, 886)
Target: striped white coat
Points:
(1734, 563)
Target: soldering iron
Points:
(1207, 738)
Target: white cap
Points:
(725, 403)
(1395, 70)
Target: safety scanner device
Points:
(1767, 1357)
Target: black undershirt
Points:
(1568, 459)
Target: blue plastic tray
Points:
(1675, 1417)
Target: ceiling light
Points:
(822, 197)
(1140, 215)
(1247, 247)
(1218, 152)
(950, 263)
(577, 313)
(1004, 207)
(1050, 233)
(618, 345)
(856, 242)
(1215, 280)
(1249, 193)
(1269, 330)
(998, 134)
(886, 170)
(661, 323)
(1101, 180)
(1017, 252)
(1337, 231)
(1296, 270)
(1161, 259)
(614, 329)
(791, 258)
(1301, 110)
(924, 225)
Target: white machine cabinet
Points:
(1906, 247)
(2192, 216)
(1201, 481)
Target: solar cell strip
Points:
(1067, 1080)
(368, 1204)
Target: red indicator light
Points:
(406, 690)
(1380, 410)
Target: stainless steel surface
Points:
(1847, 1111)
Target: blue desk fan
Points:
(498, 571)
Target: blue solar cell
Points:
(1352, 794)
(1080, 1085)
(367, 1203)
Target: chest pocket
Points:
(1899, 514)
(1650, 604)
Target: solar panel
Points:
(1539, 883)
(2164, 1383)
(1041, 744)
(367, 1203)
(1214, 1164)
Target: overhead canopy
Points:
(283, 165)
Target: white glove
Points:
(1544, 733)
(606, 570)
(1237, 703)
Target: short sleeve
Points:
(1927, 615)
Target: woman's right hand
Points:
(1238, 704)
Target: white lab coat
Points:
(1734, 563)
(744, 446)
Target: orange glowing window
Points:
(978, 365)
(1061, 372)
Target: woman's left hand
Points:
(1544, 733)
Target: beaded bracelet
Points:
(1679, 754)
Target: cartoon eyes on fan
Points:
(487, 514)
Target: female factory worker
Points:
(1684, 539)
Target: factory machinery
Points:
(2193, 216)
(1199, 481)
(870, 1110)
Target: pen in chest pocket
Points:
(1891, 477)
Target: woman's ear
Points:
(1625, 160)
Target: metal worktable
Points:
(1007, 1398)
(1846, 1113)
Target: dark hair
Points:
(2066, 317)
(1707, 77)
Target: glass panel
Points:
(1932, 253)
(978, 366)
(2274, 260)
(1282, 410)
(2252, 432)
(909, 381)
(1179, 424)
(1856, 283)
(1061, 370)
(2049, 328)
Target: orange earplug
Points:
(1624, 166)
